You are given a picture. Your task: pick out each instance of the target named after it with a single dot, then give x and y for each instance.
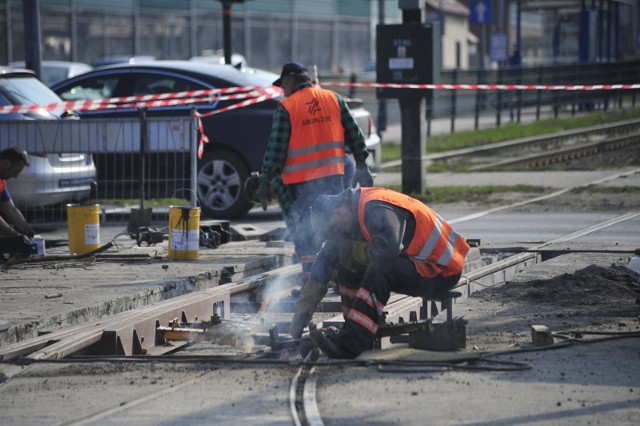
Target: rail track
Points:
(541, 150)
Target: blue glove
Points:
(363, 175)
(264, 191)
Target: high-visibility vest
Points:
(316, 144)
(436, 248)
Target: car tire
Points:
(220, 179)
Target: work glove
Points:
(310, 295)
(363, 175)
(264, 191)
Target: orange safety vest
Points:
(436, 248)
(316, 144)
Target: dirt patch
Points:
(593, 299)
(614, 290)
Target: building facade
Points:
(333, 34)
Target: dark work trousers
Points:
(306, 241)
(379, 279)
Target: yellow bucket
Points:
(184, 233)
(83, 223)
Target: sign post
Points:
(481, 15)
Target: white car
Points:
(52, 178)
(55, 71)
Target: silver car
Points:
(51, 178)
(55, 71)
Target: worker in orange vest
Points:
(380, 241)
(306, 149)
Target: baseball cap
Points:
(292, 68)
(14, 153)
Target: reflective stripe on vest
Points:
(434, 240)
(316, 144)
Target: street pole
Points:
(382, 103)
(32, 36)
(413, 137)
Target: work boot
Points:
(328, 343)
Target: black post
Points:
(413, 145)
(382, 103)
(539, 94)
(476, 120)
(32, 36)
(226, 30)
(453, 102)
(413, 140)
(143, 152)
(499, 100)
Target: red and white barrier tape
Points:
(489, 86)
(268, 93)
(257, 94)
(199, 96)
(144, 101)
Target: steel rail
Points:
(564, 154)
(126, 331)
(554, 139)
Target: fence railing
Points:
(497, 107)
(131, 161)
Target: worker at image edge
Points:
(12, 223)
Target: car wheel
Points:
(221, 176)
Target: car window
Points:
(155, 84)
(94, 88)
(53, 74)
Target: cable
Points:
(430, 367)
(567, 342)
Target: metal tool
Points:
(150, 236)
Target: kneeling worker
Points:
(12, 222)
(379, 241)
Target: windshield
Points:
(26, 90)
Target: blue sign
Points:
(499, 46)
(480, 12)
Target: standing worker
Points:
(12, 222)
(306, 153)
(380, 241)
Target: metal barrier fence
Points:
(130, 160)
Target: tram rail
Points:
(552, 148)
